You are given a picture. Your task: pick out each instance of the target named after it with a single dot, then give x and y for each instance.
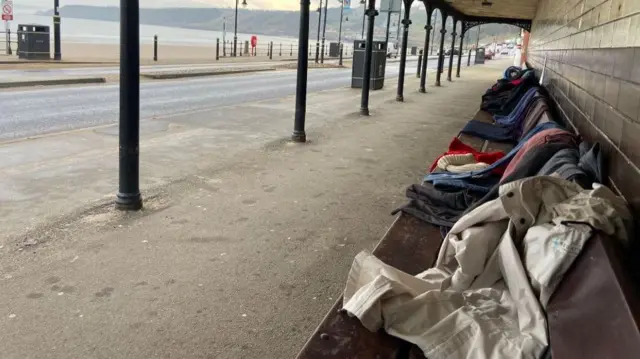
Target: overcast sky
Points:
(255, 4)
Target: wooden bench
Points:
(593, 314)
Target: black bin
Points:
(378, 64)
(479, 56)
(334, 49)
(414, 50)
(34, 42)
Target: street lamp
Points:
(319, 11)
(57, 55)
(340, 31)
(324, 31)
(364, 16)
(235, 28)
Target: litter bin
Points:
(334, 49)
(378, 64)
(414, 50)
(33, 42)
(479, 56)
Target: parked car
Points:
(488, 55)
(448, 52)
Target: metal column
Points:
(460, 53)
(324, 31)
(453, 47)
(427, 37)
(235, 32)
(403, 51)
(129, 197)
(340, 32)
(441, 56)
(368, 52)
(57, 52)
(318, 33)
(299, 134)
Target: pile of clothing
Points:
(513, 224)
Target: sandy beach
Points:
(171, 54)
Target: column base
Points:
(299, 137)
(129, 201)
(400, 98)
(449, 78)
(364, 111)
(458, 75)
(438, 83)
(422, 90)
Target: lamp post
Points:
(340, 32)
(57, 55)
(364, 16)
(235, 28)
(324, 31)
(368, 52)
(129, 197)
(299, 134)
(318, 38)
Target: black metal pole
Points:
(364, 17)
(433, 33)
(403, 52)
(460, 53)
(235, 32)
(271, 50)
(441, 52)
(419, 64)
(299, 134)
(368, 54)
(280, 53)
(324, 31)
(469, 55)
(340, 32)
(57, 54)
(427, 28)
(155, 48)
(9, 52)
(318, 35)
(386, 33)
(291, 50)
(217, 49)
(129, 197)
(453, 47)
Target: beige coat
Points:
(494, 275)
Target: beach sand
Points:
(169, 53)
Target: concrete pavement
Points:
(245, 240)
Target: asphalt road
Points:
(41, 111)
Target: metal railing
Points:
(8, 43)
(275, 50)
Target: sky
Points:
(253, 4)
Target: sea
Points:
(108, 32)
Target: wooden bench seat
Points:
(593, 314)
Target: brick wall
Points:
(592, 54)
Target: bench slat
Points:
(410, 245)
(593, 313)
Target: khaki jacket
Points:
(494, 276)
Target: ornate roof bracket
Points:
(470, 21)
